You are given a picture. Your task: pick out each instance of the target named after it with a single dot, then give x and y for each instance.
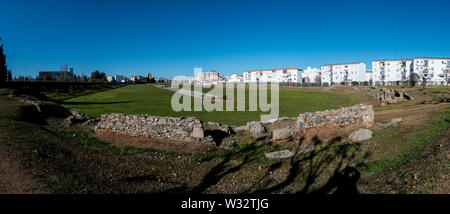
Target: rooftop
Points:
(349, 63)
(273, 69)
(378, 60)
(431, 58)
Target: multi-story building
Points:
(344, 72)
(369, 76)
(64, 74)
(205, 77)
(311, 75)
(136, 79)
(434, 69)
(110, 79)
(391, 71)
(235, 78)
(274, 75)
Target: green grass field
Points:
(147, 99)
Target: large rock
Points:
(79, 115)
(215, 126)
(360, 135)
(394, 122)
(240, 128)
(256, 128)
(279, 154)
(282, 134)
(198, 132)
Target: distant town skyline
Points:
(172, 37)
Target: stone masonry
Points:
(161, 128)
(359, 114)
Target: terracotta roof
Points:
(343, 63)
(431, 58)
(368, 71)
(378, 60)
(273, 69)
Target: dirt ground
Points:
(40, 158)
(14, 179)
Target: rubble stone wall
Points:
(162, 128)
(358, 114)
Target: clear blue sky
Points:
(171, 37)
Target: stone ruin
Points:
(177, 129)
(358, 114)
(192, 130)
(361, 114)
(391, 96)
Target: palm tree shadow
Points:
(215, 174)
(307, 167)
(313, 165)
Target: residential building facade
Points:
(235, 78)
(274, 75)
(434, 69)
(391, 71)
(311, 75)
(344, 72)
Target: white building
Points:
(369, 76)
(311, 75)
(274, 75)
(344, 72)
(391, 71)
(434, 69)
(137, 79)
(205, 77)
(236, 78)
(110, 78)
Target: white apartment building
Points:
(235, 78)
(434, 69)
(205, 77)
(344, 72)
(274, 75)
(369, 76)
(311, 75)
(390, 71)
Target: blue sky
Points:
(171, 37)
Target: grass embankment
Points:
(147, 99)
(401, 143)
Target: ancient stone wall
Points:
(358, 114)
(162, 128)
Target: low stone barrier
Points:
(359, 114)
(162, 128)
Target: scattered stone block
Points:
(394, 122)
(256, 128)
(360, 135)
(282, 134)
(280, 154)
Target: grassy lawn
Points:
(440, 87)
(147, 99)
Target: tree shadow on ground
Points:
(93, 103)
(313, 169)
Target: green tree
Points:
(413, 78)
(9, 76)
(97, 75)
(3, 67)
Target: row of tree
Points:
(5, 74)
